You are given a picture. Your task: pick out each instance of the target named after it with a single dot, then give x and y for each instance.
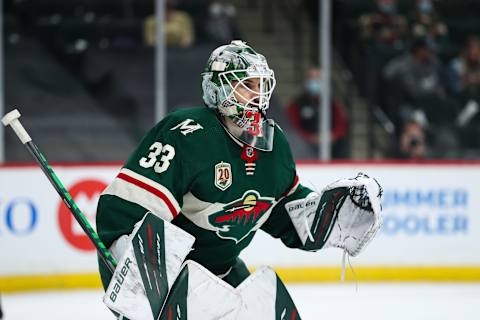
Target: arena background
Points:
(90, 80)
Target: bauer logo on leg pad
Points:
(146, 270)
(120, 279)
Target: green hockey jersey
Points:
(189, 170)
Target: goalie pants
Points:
(236, 274)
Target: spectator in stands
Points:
(385, 25)
(415, 78)
(178, 27)
(464, 70)
(412, 140)
(383, 34)
(303, 112)
(464, 83)
(221, 25)
(425, 22)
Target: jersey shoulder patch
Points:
(187, 126)
(188, 121)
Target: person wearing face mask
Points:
(303, 113)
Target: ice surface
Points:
(405, 301)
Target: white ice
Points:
(404, 301)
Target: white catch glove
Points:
(359, 218)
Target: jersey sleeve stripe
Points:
(150, 189)
(138, 189)
(154, 185)
(294, 187)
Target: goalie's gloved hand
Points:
(346, 215)
(359, 194)
(359, 217)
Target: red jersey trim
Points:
(292, 188)
(150, 189)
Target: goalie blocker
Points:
(150, 282)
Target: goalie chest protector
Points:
(217, 189)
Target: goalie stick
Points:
(12, 119)
(141, 253)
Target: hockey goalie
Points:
(196, 190)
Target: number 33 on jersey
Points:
(159, 157)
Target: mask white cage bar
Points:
(264, 97)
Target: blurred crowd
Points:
(188, 22)
(429, 91)
(406, 58)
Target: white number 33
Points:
(167, 153)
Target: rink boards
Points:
(431, 227)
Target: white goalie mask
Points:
(238, 84)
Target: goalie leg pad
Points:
(199, 294)
(264, 296)
(145, 273)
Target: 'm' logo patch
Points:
(223, 175)
(240, 217)
(187, 126)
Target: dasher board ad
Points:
(431, 218)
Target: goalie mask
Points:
(238, 84)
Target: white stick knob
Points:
(11, 119)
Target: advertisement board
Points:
(431, 217)
(38, 234)
(431, 220)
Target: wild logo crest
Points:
(240, 217)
